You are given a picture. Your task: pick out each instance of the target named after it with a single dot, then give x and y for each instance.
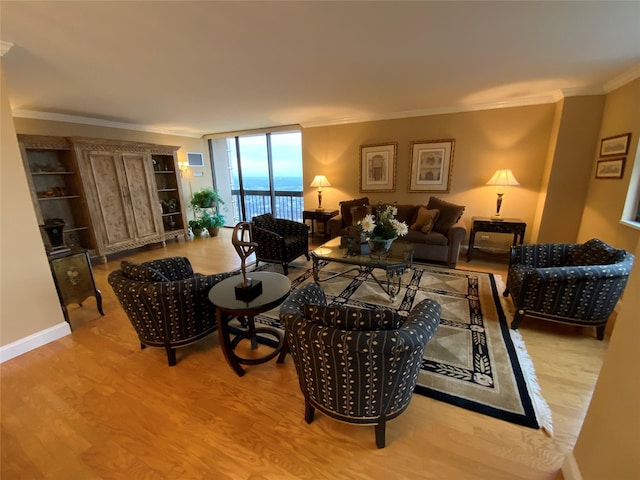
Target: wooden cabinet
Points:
(128, 193)
(56, 189)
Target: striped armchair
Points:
(578, 284)
(166, 302)
(279, 240)
(356, 365)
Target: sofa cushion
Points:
(425, 219)
(345, 209)
(352, 318)
(141, 273)
(431, 238)
(450, 213)
(358, 213)
(595, 252)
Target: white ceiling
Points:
(194, 68)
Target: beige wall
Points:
(607, 446)
(569, 168)
(606, 197)
(190, 183)
(516, 138)
(28, 299)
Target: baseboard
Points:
(570, 469)
(38, 339)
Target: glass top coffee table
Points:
(394, 263)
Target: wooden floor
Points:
(93, 405)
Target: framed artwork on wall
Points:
(195, 159)
(613, 168)
(431, 165)
(378, 167)
(615, 146)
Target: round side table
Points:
(275, 288)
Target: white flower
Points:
(367, 223)
(400, 227)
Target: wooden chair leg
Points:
(285, 267)
(600, 332)
(309, 412)
(505, 293)
(381, 433)
(517, 319)
(171, 356)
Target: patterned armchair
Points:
(356, 365)
(577, 284)
(279, 240)
(166, 302)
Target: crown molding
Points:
(5, 47)
(521, 102)
(619, 81)
(60, 117)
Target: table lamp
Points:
(320, 181)
(502, 178)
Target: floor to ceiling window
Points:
(259, 173)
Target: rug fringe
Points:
(543, 411)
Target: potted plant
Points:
(212, 222)
(206, 198)
(196, 227)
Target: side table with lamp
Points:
(496, 223)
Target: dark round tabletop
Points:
(275, 288)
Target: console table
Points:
(513, 226)
(321, 216)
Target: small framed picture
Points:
(615, 146)
(378, 167)
(195, 159)
(613, 168)
(431, 165)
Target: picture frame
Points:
(431, 165)
(195, 159)
(615, 146)
(378, 167)
(613, 168)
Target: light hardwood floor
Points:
(94, 405)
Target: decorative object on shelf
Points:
(613, 168)
(431, 165)
(320, 181)
(502, 178)
(242, 240)
(617, 145)
(382, 229)
(54, 228)
(378, 167)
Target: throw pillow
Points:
(425, 219)
(352, 318)
(141, 273)
(345, 209)
(595, 252)
(358, 213)
(450, 213)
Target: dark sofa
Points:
(438, 242)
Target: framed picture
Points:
(613, 168)
(378, 167)
(194, 159)
(615, 146)
(431, 165)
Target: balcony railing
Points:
(257, 202)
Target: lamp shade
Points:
(503, 177)
(320, 181)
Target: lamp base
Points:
(497, 218)
(320, 209)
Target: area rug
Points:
(474, 361)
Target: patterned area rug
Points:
(474, 361)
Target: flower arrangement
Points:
(384, 225)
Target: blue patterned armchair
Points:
(166, 302)
(356, 365)
(279, 240)
(578, 284)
